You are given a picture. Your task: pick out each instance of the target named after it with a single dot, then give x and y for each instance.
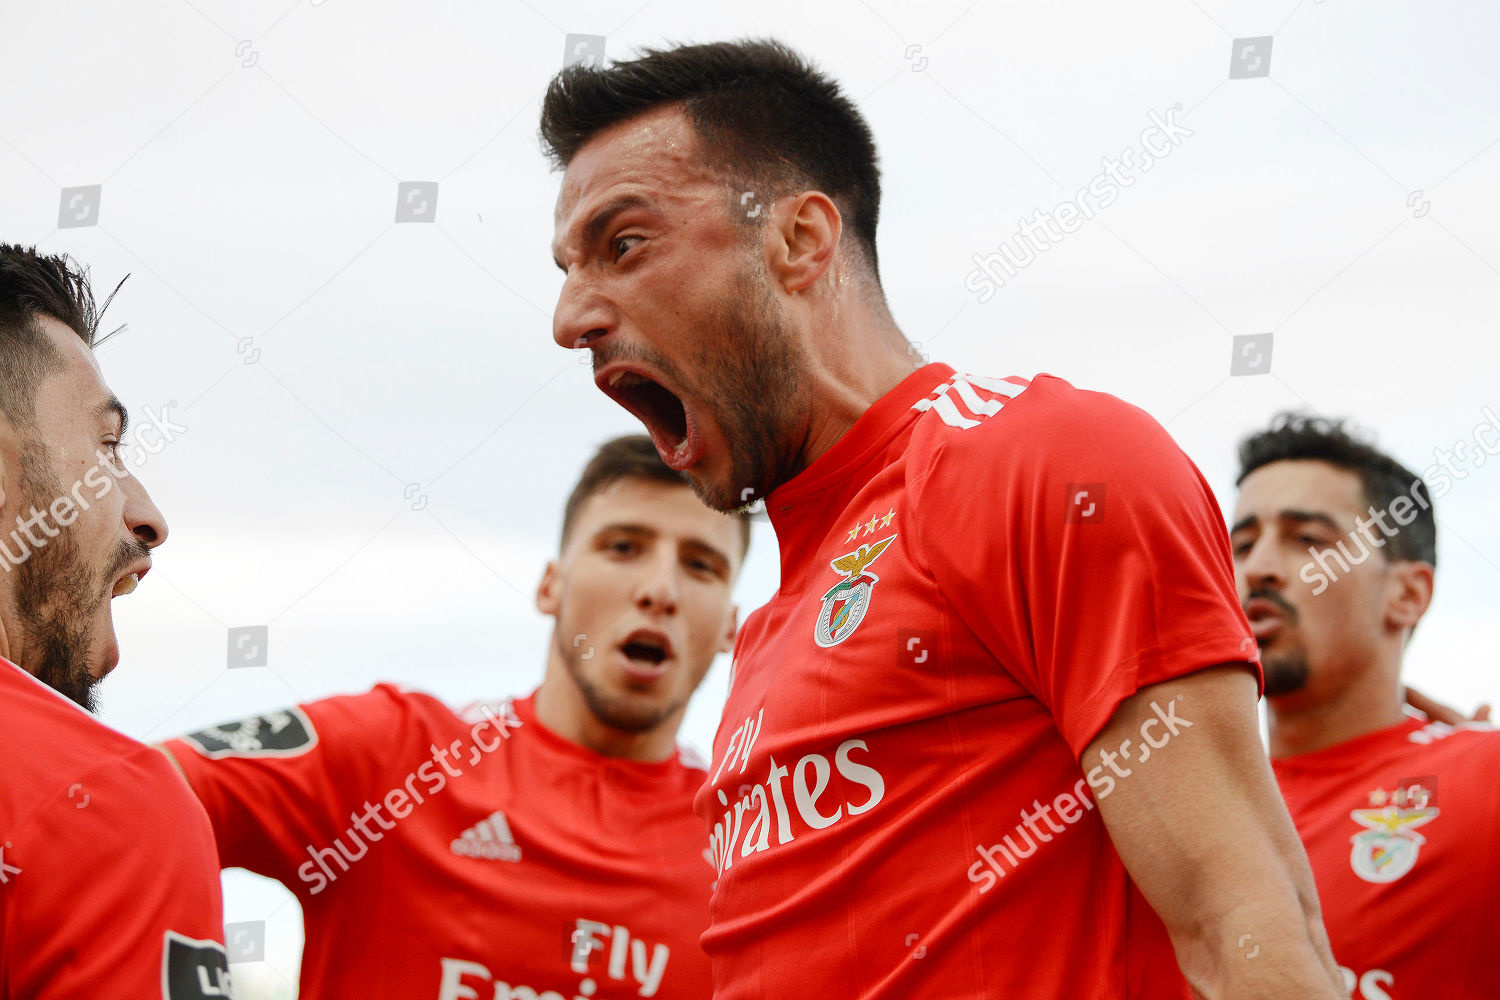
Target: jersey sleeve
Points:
(1083, 548)
(279, 786)
(111, 890)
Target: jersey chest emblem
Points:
(1388, 847)
(845, 604)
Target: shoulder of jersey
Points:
(964, 402)
(1466, 738)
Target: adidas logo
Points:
(489, 838)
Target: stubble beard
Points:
(53, 600)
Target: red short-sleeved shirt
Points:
(973, 578)
(1401, 827)
(109, 886)
(457, 855)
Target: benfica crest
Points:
(844, 606)
(1388, 848)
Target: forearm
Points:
(1204, 834)
(1272, 946)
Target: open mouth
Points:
(660, 410)
(127, 583)
(646, 652)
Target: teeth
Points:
(629, 378)
(127, 585)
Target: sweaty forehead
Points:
(655, 154)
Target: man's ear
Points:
(726, 641)
(1409, 593)
(801, 239)
(547, 596)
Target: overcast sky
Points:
(378, 432)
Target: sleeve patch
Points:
(192, 969)
(276, 734)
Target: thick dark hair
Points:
(630, 457)
(32, 286)
(1383, 479)
(767, 119)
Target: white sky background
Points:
(249, 154)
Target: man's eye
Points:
(622, 547)
(114, 447)
(620, 244)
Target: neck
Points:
(854, 357)
(1299, 725)
(561, 708)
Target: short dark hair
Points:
(630, 457)
(1382, 478)
(765, 115)
(34, 285)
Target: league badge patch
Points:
(844, 606)
(279, 734)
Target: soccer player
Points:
(1334, 549)
(542, 847)
(108, 885)
(1005, 697)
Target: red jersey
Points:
(973, 578)
(108, 882)
(442, 855)
(1401, 826)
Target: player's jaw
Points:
(638, 685)
(62, 604)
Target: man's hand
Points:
(1198, 821)
(1438, 712)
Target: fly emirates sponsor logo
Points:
(630, 960)
(793, 798)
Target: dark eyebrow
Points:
(645, 531)
(1304, 516)
(113, 405)
(595, 227)
(699, 545)
(1295, 516)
